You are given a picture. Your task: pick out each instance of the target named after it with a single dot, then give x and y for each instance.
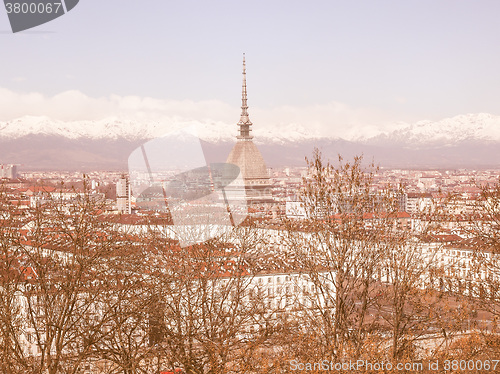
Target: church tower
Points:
(247, 157)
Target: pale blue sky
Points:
(404, 60)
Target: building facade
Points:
(123, 197)
(246, 155)
(8, 171)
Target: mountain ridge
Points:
(468, 140)
(472, 126)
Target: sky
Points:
(331, 67)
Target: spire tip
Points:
(245, 122)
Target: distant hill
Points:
(471, 141)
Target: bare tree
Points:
(13, 271)
(371, 272)
(411, 302)
(210, 305)
(125, 344)
(67, 247)
(482, 225)
(339, 249)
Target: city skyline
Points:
(351, 215)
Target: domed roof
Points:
(247, 157)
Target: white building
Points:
(418, 202)
(8, 171)
(123, 201)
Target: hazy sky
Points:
(324, 64)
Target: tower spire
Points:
(244, 122)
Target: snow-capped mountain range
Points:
(467, 140)
(466, 127)
(448, 131)
(116, 128)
